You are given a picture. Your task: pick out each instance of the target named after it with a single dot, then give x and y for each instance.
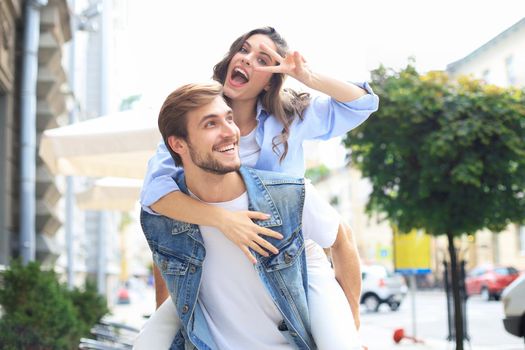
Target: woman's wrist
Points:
(218, 219)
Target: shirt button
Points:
(164, 265)
(282, 326)
(287, 258)
(192, 269)
(185, 309)
(293, 334)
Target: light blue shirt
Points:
(323, 119)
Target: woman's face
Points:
(242, 80)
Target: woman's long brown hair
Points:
(284, 104)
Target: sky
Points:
(173, 42)
(166, 43)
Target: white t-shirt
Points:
(236, 305)
(249, 149)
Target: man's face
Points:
(213, 138)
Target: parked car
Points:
(380, 286)
(513, 298)
(489, 281)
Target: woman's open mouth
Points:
(239, 77)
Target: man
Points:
(221, 300)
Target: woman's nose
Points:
(246, 60)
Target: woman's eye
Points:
(262, 61)
(243, 50)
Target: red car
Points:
(489, 281)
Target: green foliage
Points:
(129, 102)
(90, 306)
(39, 313)
(318, 173)
(447, 157)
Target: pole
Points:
(28, 130)
(104, 61)
(412, 278)
(70, 184)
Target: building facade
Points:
(500, 61)
(51, 105)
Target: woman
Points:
(273, 124)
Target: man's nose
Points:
(229, 129)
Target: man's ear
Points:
(177, 145)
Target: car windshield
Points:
(506, 271)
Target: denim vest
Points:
(179, 252)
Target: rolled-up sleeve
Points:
(159, 178)
(326, 117)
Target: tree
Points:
(36, 314)
(446, 157)
(41, 314)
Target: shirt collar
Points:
(261, 112)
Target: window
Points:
(486, 76)
(510, 69)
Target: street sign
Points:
(412, 252)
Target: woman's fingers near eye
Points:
(271, 52)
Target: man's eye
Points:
(209, 124)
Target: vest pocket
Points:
(288, 253)
(170, 265)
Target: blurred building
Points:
(499, 61)
(51, 105)
(88, 49)
(348, 192)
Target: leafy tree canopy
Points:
(444, 156)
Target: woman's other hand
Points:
(239, 228)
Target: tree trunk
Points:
(458, 312)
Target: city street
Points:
(485, 325)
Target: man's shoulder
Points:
(270, 177)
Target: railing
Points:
(110, 336)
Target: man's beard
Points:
(211, 165)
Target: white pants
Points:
(332, 323)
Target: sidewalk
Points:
(142, 303)
(381, 338)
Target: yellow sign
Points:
(412, 252)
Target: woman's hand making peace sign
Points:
(293, 64)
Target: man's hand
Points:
(239, 228)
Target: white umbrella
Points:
(117, 145)
(110, 194)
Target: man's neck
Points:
(214, 188)
(244, 112)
